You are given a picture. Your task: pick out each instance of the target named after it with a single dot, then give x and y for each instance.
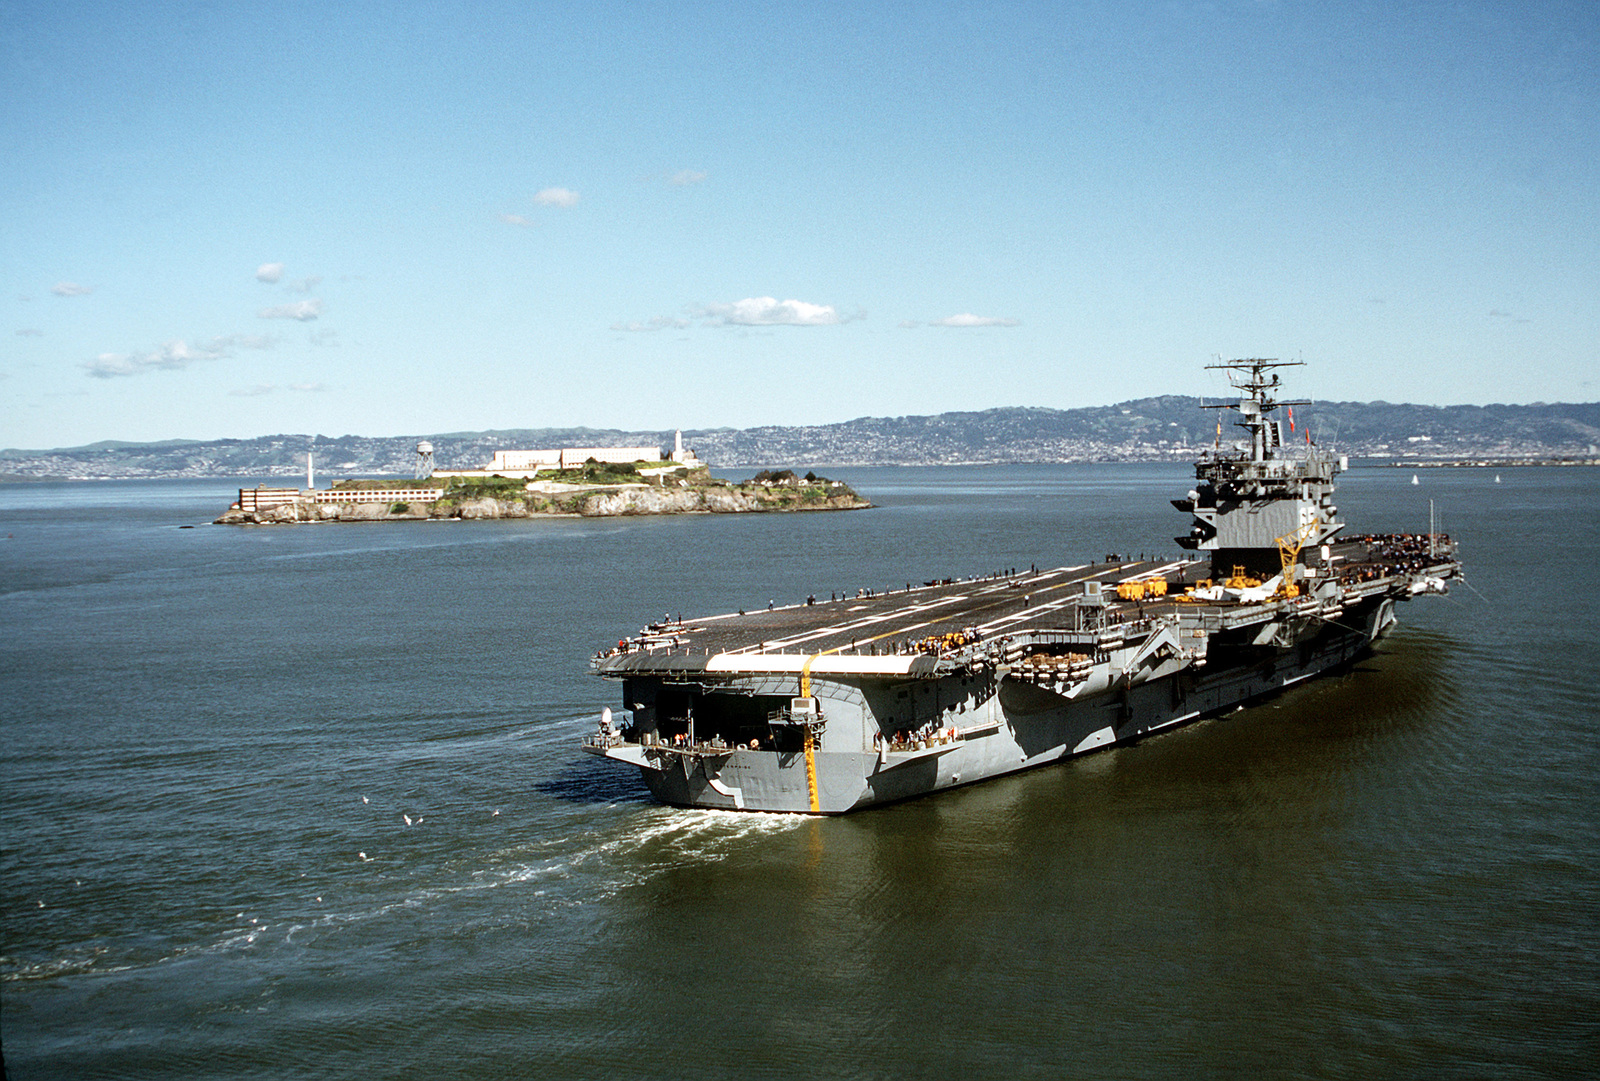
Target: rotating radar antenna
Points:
(424, 460)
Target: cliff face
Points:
(611, 502)
(483, 507)
(712, 501)
(646, 501)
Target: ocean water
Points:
(213, 739)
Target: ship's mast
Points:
(1260, 507)
(1256, 388)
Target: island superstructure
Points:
(834, 706)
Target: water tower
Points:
(424, 460)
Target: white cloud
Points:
(750, 312)
(272, 388)
(771, 312)
(71, 289)
(269, 273)
(304, 285)
(328, 338)
(909, 324)
(686, 177)
(660, 322)
(515, 219)
(967, 319)
(172, 356)
(303, 310)
(30, 332)
(556, 197)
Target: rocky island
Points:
(594, 489)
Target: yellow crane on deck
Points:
(1289, 546)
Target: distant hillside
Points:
(1168, 428)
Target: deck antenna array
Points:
(424, 460)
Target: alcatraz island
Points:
(570, 481)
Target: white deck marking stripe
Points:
(860, 624)
(751, 652)
(891, 665)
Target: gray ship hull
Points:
(998, 725)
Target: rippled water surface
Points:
(214, 737)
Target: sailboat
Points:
(1414, 479)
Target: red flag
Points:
(1291, 418)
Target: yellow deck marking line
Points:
(811, 758)
(811, 773)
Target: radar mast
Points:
(1256, 400)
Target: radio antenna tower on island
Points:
(424, 460)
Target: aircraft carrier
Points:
(830, 707)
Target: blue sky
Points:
(230, 220)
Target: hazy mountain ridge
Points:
(1169, 427)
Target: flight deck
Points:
(948, 616)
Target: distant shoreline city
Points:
(1163, 429)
